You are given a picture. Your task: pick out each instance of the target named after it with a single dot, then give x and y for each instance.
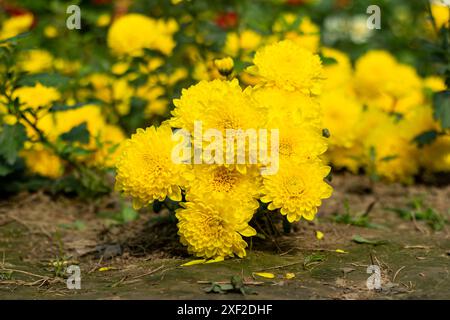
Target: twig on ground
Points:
(148, 273)
(281, 266)
(397, 272)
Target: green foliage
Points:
(78, 133)
(57, 108)
(441, 104)
(46, 79)
(417, 210)
(125, 215)
(359, 220)
(236, 285)
(361, 240)
(313, 260)
(12, 139)
(426, 137)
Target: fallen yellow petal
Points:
(191, 263)
(341, 251)
(218, 259)
(319, 235)
(105, 269)
(267, 275)
(289, 275)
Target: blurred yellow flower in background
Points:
(51, 32)
(15, 25)
(132, 33)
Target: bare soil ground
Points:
(40, 236)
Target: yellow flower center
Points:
(294, 188)
(223, 180)
(285, 147)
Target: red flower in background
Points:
(15, 11)
(227, 20)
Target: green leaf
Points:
(46, 79)
(79, 133)
(361, 240)
(313, 259)
(425, 138)
(5, 170)
(12, 139)
(15, 38)
(441, 105)
(389, 158)
(68, 107)
(226, 287)
(129, 214)
(326, 61)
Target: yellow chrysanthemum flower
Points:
(16, 25)
(243, 42)
(110, 138)
(55, 124)
(220, 184)
(35, 61)
(299, 29)
(395, 157)
(41, 161)
(418, 120)
(132, 33)
(51, 32)
(224, 65)
(145, 170)
(342, 114)
(337, 75)
(213, 229)
(436, 156)
(372, 70)
(67, 66)
(288, 66)
(36, 96)
(434, 83)
(441, 13)
(382, 82)
(351, 158)
(299, 108)
(218, 104)
(103, 20)
(298, 141)
(297, 189)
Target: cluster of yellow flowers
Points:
(104, 139)
(221, 199)
(128, 38)
(111, 88)
(16, 25)
(242, 44)
(375, 111)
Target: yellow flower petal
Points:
(319, 235)
(289, 275)
(193, 262)
(102, 269)
(248, 232)
(267, 275)
(218, 259)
